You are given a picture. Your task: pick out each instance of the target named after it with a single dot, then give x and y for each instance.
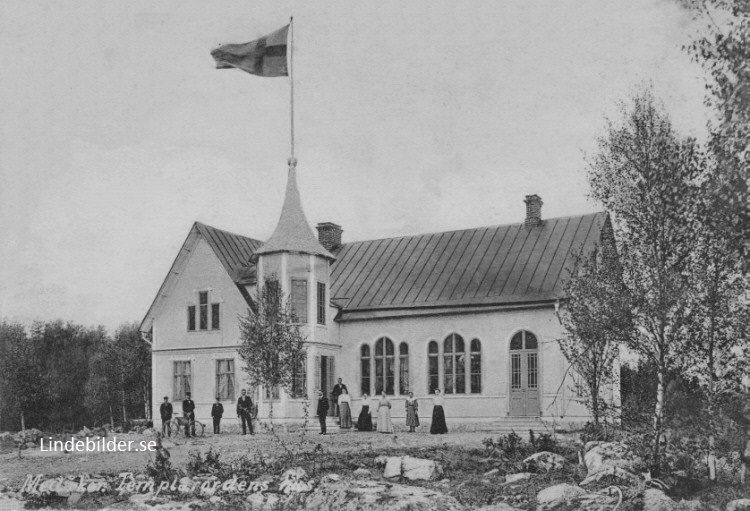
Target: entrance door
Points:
(327, 370)
(524, 375)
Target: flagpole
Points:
(291, 80)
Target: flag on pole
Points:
(263, 57)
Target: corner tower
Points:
(301, 264)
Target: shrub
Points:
(208, 464)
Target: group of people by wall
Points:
(342, 404)
(384, 424)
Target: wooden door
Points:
(524, 375)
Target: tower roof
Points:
(293, 233)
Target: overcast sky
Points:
(116, 131)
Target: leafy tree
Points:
(646, 177)
(272, 346)
(23, 383)
(597, 320)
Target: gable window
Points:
(364, 360)
(321, 303)
(191, 317)
(403, 368)
(299, 300)
(225, 379)
(203, 309)
(459, 360)
(198, 317)
(182, 381)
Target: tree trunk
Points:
(658, 421)
(23, 421)
(711, 458)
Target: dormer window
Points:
(204, 314)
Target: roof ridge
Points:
(495, 226)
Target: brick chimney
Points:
(533, 210)
(329, 235)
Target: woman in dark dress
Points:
(364, 422)
(438, 426)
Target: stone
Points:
(514, 478)
(591, 445)
(392, 467)
(362, 472)
(739, 505)
(492, 472)
(417, 469)
(558, 495)
(500, 506)
(544, 460)
(610, 454)
(615, 472)
(381, 460)
(656, 500)
(74, 498)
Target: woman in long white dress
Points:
(384, 415)
(345, 410)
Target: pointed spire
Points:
(293, 233)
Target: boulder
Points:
(656, 500)
(417, 469)
(739, 505)
(545, 461)
(608, 455)
(500, 506)
(362, 472)
(514, 478)
(392, 467)
(367, 495)
(558, 495)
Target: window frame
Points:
(231, 379)
(184, 377)
(295, 298)
(321, 296)
(454, 368)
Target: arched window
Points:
(475, 363)
(384, 365)
(433, 374)
(454, 365)
(364, 364)
(527, 342)
(403, 368)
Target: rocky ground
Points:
(351, 470)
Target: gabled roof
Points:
(232, 250)
(505, 264)
(293, 233)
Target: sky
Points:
(117, 132)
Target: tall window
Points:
(299, 300)
(191, 318)
(384, 365)
(225, 379)
(321, 303)
(459, 360)
(364, 362)
(454, 365)
(182, 381)
(272, 393)
(203, 309)
(524, 340)
(200, 315)
(475, 367)
(403, 368)
(433, 374)
(299, 379)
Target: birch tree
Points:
(645, 175)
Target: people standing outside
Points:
(364, 422)
(438, 426)
(217, 411)
(338, 389)
(322, 411)
(412, 409)
(245, 412)
(345, 410)
(384, 415)
(165, 410)
(188, 410)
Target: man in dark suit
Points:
(338, 389)
(165, 410)
(217, 411)
(245, 412)
(322, 411)
(188, 410)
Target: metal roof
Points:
(504, 264)
(233, 250)
(293, 233)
